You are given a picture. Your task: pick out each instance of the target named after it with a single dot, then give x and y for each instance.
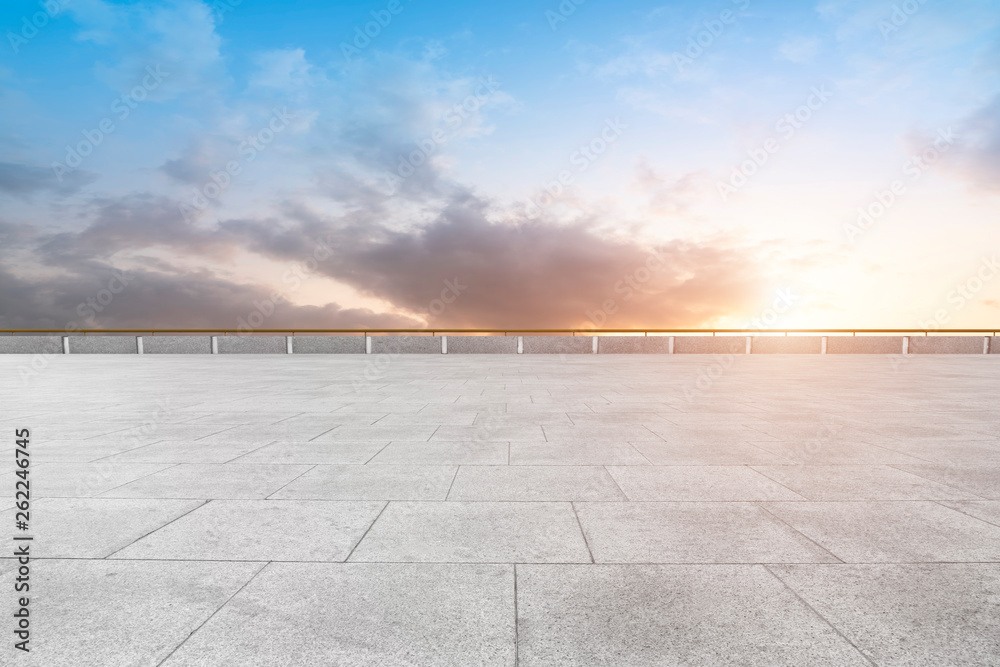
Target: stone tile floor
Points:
(507, 510)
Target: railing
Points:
(505, 332)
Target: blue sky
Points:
(266, 164)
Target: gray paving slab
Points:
(449, 452)
(692, 483)
(907, 614)
(95, 527)
(983, 480)
(74, 479)
(211, 480)
(728, 454)
(858, 482)
(102, 613)
(579, 454)
(537, 483)
(692, 532)
(653, 615)
(261, 530)
(474, 532)
(893, 531)
(892, 458)
(986, 510)
(362, 615)
(371, 482)
(184, 451)
(314, 452)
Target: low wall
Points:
(176, 344)
(31, 345)
(557, 345)
(864, 345)
(946, 344)
(786, 344)
(633, 345)
(482, 344)
(406, 344)
(251, 344)
(995, 345)
(328, 344)
(103, 345)
(710, 345)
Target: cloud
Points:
(177, 36)
(799, 49)
(977, 153)
(22, 180)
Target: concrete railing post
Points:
(215, 344)
(595, 345)
(288, 345)
(749, 344)
(138, 344)
(444, 345)
(670, 345)
(368, 344)
(906, 344)
(520, 344)
(822, 345)
(65, 342)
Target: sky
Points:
(251, 164)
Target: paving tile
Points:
(262, 530)
(579, 454)
(986, 510)
(951, 452)
(914, 614)
(377, 432)
(101, 613)
(600, 433)
(692, 532)
(214, 480)
(490, 432)
(315, 452)
(68, 451)
(855, 482)
(443, 453)
(893, 531)
(653, 615)
(728, 454)
(982, 480)
(95, 527)
(371, 482)
(550, 483)
(474, 532)
(362, 614)
(76, 479)
(820, 451)
(726, 483)
(184, 451)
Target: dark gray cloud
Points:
(22, 180)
